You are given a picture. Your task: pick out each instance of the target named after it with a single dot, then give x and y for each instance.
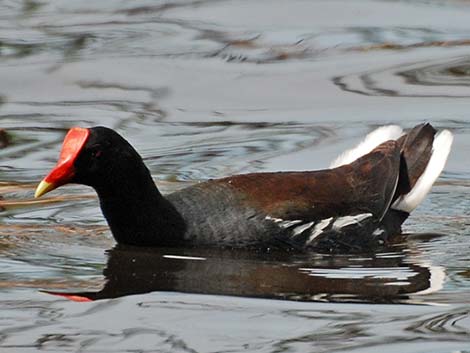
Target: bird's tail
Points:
(424, 152)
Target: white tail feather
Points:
(372, 140)
(440, 152)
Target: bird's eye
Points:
(96, 153)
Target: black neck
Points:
(138, 214)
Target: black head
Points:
(105, 157)
(98, 157)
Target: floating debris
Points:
(4, 138)
(426, 44)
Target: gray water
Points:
(205, 89)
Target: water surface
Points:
(205, 89)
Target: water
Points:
(206, 89)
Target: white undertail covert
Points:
(372, 140)
(440, 151)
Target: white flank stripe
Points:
(372, 140)
(378, 231)
(440, 151)
(288, 224)
(348, 220)
(302, 228)
(318, 229)
(282, 223)
(276, 220)
(179, 257)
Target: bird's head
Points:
(91, 156)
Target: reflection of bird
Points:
(358, 203)
(277, 275)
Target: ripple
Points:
(455, 322)
(456, 73)
(447, 79)
(191, 151)
(400, 274)
(225, 148)
(75, 32)
(67, 326)
(148, 67)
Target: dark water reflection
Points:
(385, 277)
(205, 89)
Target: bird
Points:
(357, 204)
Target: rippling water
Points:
(206, 89)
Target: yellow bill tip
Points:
(43, 188)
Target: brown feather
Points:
(365, 185)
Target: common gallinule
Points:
(360, 202)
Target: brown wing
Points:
(366, 185)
